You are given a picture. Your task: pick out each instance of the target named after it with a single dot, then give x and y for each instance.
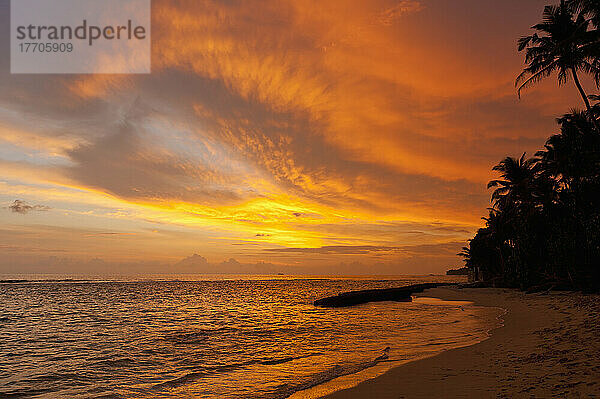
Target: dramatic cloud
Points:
(22, 207)
(284, 132)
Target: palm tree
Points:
(566, 46)
(589, 8)
(544, 227)
(518, 184)
(480, 257)
(497, 224)
(572, 156)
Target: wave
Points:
(197, 336)
(114, 363)
(196, 375)
(339, 370)
(282, 391)
(274, 362)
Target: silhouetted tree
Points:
(544, 226)
(564, 44)
(517, 185)
(589, 8)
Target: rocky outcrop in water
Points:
(400, 294)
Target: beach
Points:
(547, 348)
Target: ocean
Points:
(215, 336)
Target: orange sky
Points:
(305, 136)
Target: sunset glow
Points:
(306, 136)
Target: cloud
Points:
(337, 249)
(404, 7)
(127, 164)
(108, 233)
(271, 102)
(437, 249)
(22, 207)
(331, 126)
(192, 263)
(199, 264)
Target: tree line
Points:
(543, 229)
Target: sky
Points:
(339, 137)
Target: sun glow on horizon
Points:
(323, 137)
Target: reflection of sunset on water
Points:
(225, 337)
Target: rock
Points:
(400, 294)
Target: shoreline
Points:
(348, 381)
(546, 347)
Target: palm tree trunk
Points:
(585, 99)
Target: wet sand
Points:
(549, 347)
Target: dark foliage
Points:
(543, 229)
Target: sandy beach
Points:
(547, 348)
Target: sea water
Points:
(213, 336)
